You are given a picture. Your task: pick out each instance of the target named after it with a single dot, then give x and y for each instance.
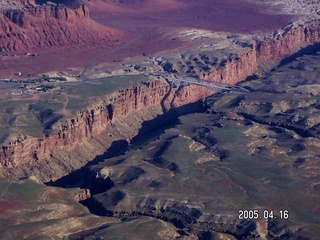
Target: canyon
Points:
(90, 127)
(107, 145)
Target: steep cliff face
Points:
(288, 40)
(38, 27)
(86, 124)
(121, 115)
(118, 117)
(235, 69)
(269, 49)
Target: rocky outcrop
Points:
(235, 69)
(83, 194)
(187, 217)
(245, 56)
(267, 50)
(288, 40)
(118, 117)
(121, 114)
(38, 27)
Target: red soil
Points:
(236, 16)
(151, 19)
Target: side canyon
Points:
(75, 141)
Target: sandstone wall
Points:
(271, 49)
(288, 40)
(36, 27)
(122, 113)
(118, 117)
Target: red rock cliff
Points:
(38, 27)
(89, 133)
(122, 113)
(270, 49)
(288, 40)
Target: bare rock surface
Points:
(261, 159)
(146, 150)
(36, 27)
(30, 210)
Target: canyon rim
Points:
(85, 83)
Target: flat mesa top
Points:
(231, 16)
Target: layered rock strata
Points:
(288, 40)
(92, 130)
(121, 114)
(269, 49)
(32, 26)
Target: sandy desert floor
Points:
(154, 23)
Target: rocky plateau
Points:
(27, 26)
(140, 152)
(93, 124)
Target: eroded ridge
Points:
(139, 152)
(26, 25)
(94, 120)
(246, 152)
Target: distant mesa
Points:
(39, 24)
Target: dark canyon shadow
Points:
(84, 178)
(177, 214)
(309, 50)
